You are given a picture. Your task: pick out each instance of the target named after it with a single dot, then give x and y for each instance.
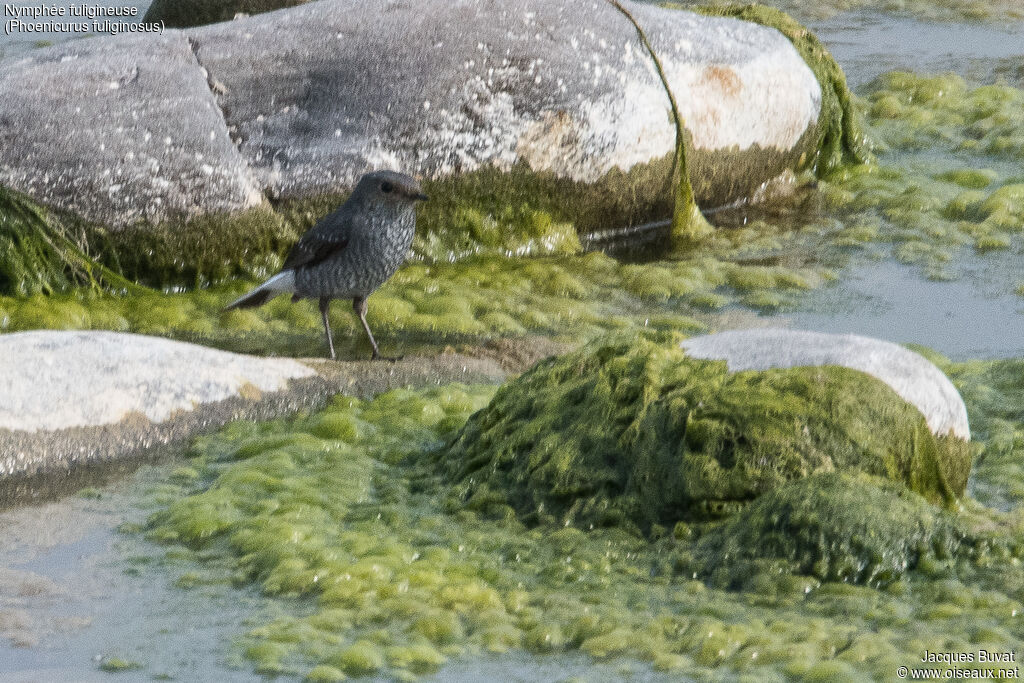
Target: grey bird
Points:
(349, 253)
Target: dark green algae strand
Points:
(629, 431)
(41, 252)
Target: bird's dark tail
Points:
(251, 300)
(279, 284)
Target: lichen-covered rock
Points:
(182, 13)
(833, 526)
(630, 430)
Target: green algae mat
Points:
(351, 520)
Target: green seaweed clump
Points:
(117, 665)
(39, 254)
(628, 431)
(834, 526)
(950, 173)
(185, 13)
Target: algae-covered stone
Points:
(197, 12)
(630, 430)
(834, 526)
(916, 379)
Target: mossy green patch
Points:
(810, 527)
(973, 179)
(628, 431)
(117, 665)
(389, 575)
(193, 253)
(438, 304)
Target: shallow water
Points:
(973, 316)
(977, 314)
(76, 593)
(78, 598)
(867, 44)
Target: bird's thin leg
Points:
(359, 306)
(325, 303)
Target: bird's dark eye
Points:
(386, 187)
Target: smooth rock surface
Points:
(86, 405)
(56, 380)
(314, 96)
(913, 377)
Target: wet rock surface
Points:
(314, 96)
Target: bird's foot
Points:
(389, 359)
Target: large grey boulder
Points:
(118, 130)
(442, 87)
(913, 377)
(314, 96)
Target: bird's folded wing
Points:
(311, 249)
(328, 237)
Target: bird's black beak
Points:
(420, 197)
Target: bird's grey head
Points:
(388, 188)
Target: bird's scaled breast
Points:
(368, 260)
